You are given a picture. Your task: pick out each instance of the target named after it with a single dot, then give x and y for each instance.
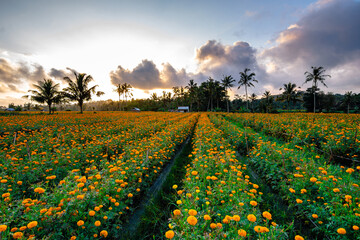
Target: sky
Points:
(155, 45)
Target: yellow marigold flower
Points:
(291, 190)
(341, 231)
(32, 224)
(236, 218)
(80, 223)
(242, 233)
(350, 170)
(355, 227)
(299, 201)
(91, 213)
(192, 220)
(192, 212)
(130, 195)
(251, 217)
(175, 186)
(3, 228)
(104, 233)
(267, 215)
(313, 179)
(170, 234)
(207, 217)
(213, 225)
(97, 223)
(178, 202)
(177, 212)
(298, 237)
(18, 235)
(253, 203)
(315, 216)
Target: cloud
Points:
(216, 60)
(14, 75)
(147, 76)
(327, 35)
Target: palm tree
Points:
(317, 75)
(227, 82)
(246, 80)
(268, 100)
(127, 90)
(289, 94)
(47, 92)
(191, 87)
(119, 91)
(78, 89)
(252, 99)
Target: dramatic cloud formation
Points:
(328, 35)
(12, 76)
(147, 76)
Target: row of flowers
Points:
(326, 195)
(218, 200)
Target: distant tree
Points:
(120, 91)
(268, 101)
(78, 90)
(127, 88)
(192, 88)
(328, 101)
(348, 100)
(246, 80)
(290, 94)
(47, 92)
(252, 99)
(315, 76)
(227, 82)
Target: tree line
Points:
(210, 95)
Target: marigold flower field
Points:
(81, 176)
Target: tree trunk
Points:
(49, 104)
(81, 107)
(348, 108)
(247, 103)
(227, 103)
(314, 102)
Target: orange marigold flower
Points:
(267, 215)
(251, 217)
(192, 220)
(97, 223)
(177, 212)
(73, 238)
(92, 213)
(3, 228)
(80, 223)
(170, 234)
(18, 235)
(242, 233)
(236, 218)
(32, 224)
(207, 217)
(192, 212)
(213, 225)
(253, 203)
(336, 190)
(39, 190)
(130, 195)
(355, 227)
(313, 179)
(299, 201)
(298, 237)
(315, 216)
(104, 233)
(341, 231)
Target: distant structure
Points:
(10, 109)
(183, 109)
(135, 110)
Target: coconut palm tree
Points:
(120, 91)
(290, 94)
(246, 80)
(227, 82)
(191, 87)
(268, 100)
(47, 92)
(127, 90)
(78, 90)
(252, 99)
(315, 76)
